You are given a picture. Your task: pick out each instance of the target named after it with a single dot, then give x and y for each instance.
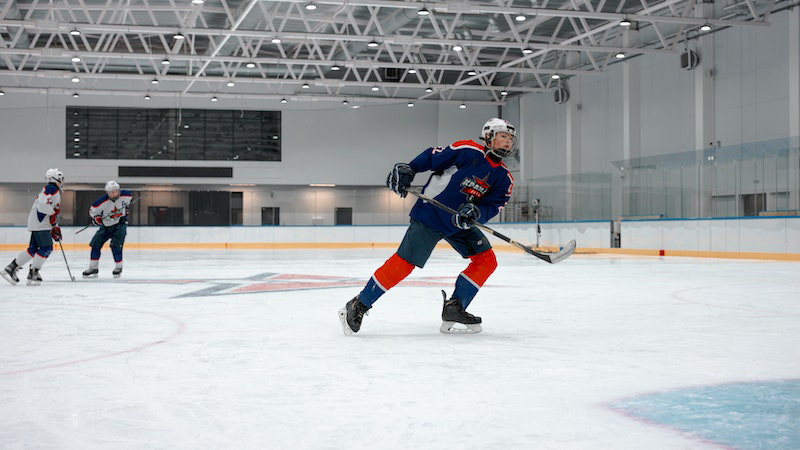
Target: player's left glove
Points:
(55, 232)
(467, 214)
(400, 179)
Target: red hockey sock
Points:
(481, 267)
(393, 271)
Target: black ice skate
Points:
(34, 279)
(351, 316)
(453, 313)
(90, 273)
(117, 272)
(9, 272)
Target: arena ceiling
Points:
(374, 51)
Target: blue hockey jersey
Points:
(462, 172)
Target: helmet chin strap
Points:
(492, 154)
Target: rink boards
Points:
(755, 238)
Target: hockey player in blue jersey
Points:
(43, 225)
(110, 213)
(469, 178)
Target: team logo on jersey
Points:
(474, 187)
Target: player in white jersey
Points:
(110, 213)
(43, 225)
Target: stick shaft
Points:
(61, 246)
(489, 230)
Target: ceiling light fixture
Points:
(372, 44)
(463, 106)
(472, 72)
(283, 100)
(165, 62)
(356, 106)
(345, 102)
(625, 22)
(503, 93)
(75, 32)
(154, 81)
(276, 40)
(250, 65)
(412, 71)
(423, 11)
(620, 55)
(147, 97)
(457, 48)
(230, 83)
(375, 88)
(75, 79)
(526, 51)
(76, 59)
(2, 93)
(178, 36)
(76, 95)
(198, 2)
(335, 67)
(705, 27)
(520, 17)
(311, 6)
(555, 76)
(410, 104)
(214, 99)
(429, 89)
(306, 86)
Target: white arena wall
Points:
(732, 235)
(758, 238)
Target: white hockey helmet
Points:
(494, 126)
(54, 176)
(112, 186)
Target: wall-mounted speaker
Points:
(561, 95)
(689, 59)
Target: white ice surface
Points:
(128, 363)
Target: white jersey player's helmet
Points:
(112, 186)
(494, 126)
(54, 176)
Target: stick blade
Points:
(564, 253)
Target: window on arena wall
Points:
(173, 134)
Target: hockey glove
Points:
(400, 179)
(97, 220)
(467, 214)
(55, 232)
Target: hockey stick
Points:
(552, 258)
(129, 205)
(65, 260)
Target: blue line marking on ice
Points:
(757, 415)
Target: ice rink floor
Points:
(243, 349)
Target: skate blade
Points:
(34, 283)
(8, 278)
(117, 275)
(460, 328)
(94, 275)
(343, 318)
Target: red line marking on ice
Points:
(180, 328)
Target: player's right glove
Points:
(400, 179)
(467, 214)
(97, 220)
(55, 232)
